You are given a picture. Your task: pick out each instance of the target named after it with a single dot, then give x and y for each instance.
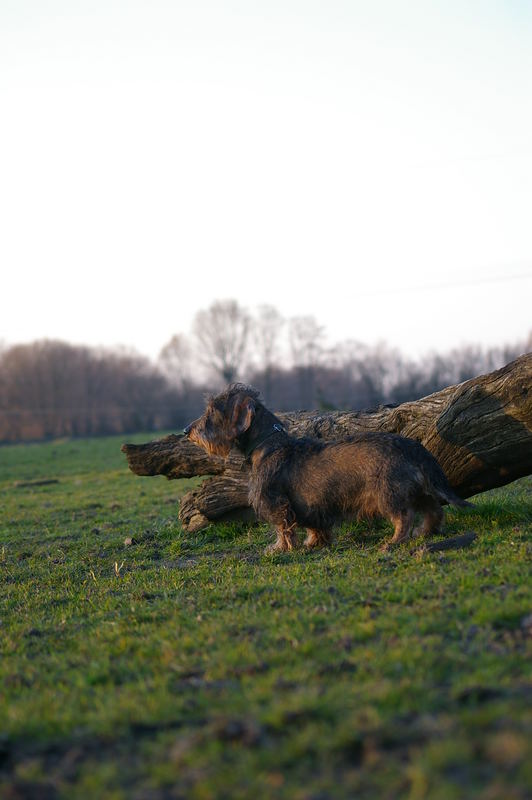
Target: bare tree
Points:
(267, 329)
(223, 336)
(176, 361)
(306, 338)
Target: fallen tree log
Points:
(480, 431)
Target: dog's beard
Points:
(219, 448)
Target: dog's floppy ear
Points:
(243, 413)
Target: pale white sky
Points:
(369, 163)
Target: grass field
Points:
(197, 667)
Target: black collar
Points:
(251, 446)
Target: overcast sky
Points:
(369, 163)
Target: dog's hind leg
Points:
(403, 522)
(432, 520)
(317, 538)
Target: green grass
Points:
(197, 667)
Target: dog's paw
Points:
(315, 544)
(275, 547)
(392, 545)
(317, 539)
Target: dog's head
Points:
(227, 417)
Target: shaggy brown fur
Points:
(311, 484)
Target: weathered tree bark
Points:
(480, 431)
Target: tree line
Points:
(50, 389)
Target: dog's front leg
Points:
(316, 538)
(285, 528)
(284, 542)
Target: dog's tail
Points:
(437, 484)
(447, 495)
